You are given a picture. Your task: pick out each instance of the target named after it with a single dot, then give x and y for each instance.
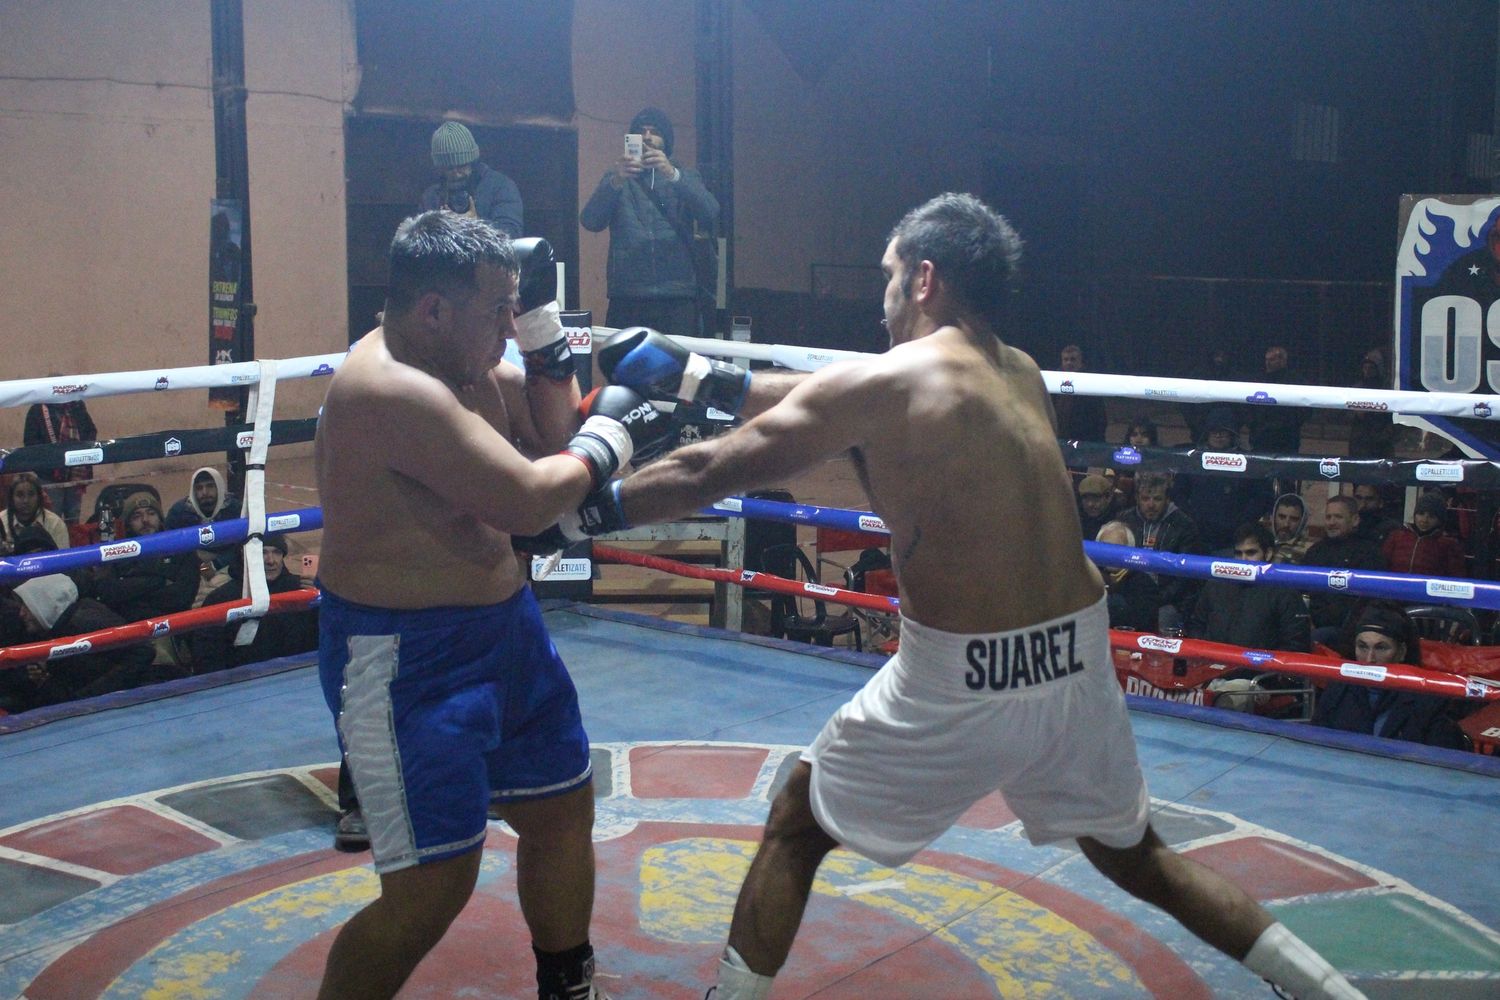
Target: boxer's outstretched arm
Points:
(769, 388)
(821, 415)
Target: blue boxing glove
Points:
(599, 514)
(539, 331)
(659, 368)
(617, 422)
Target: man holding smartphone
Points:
(655, 210)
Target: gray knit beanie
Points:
(453, 145)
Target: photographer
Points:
(469, 186)
(654, 209)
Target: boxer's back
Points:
(964, 468)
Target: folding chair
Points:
(1445, 624)
(820, 628)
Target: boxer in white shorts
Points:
(953, 717)
(952, 435)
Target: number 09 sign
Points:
(1448, 310)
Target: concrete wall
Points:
(106, 122)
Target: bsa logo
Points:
(1450, 588)
(84, 456)
(1430, 473)
(160, 628)
(324, 369)
(1225, 460)
(1157, 643)
(1261, 397)
(1339, 579)
(1329, 468)
(69, 390)
(869, 522)
(1127, 456)
(731, 504)
(206, 535)
(1067, 387)
(580, 339)
(172, 446)
(1232, 571)
(818, 588)
(161, 384)
(1365, 404)
(1363, 671)
(1482, 410)
(119, 550)
(71, 649)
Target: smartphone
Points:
(634, 145)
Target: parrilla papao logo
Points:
(68, 390)
(1156, 642)
(1232, 571)
(119, 550)
(1226, 460)
(868, 522)
(1365, 404)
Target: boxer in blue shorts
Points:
(1004, 641)
(447, 694)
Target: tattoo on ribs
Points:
(911, 546)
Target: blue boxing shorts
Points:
(441, 711)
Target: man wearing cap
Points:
(1096, 503)
(52, 609)
(149, 587)
(278, 635)
(468, 185)
(652, 206)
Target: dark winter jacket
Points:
(497, 200)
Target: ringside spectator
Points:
(25, 509)
(1249, 614)
(1422, 548)
(1288, 524)
(1218, 505)
(1159, 525)
(278, 635)
(52, 609)
(1383, 634)
(146, 587)
(1134, 596)
(62, 423)
(1096, 503)
(1341, 548)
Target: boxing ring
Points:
(177, 840)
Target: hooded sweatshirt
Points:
(1293, 549)
(185, 513)
(47, 597)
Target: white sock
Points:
(1286, 960)
(737, 982)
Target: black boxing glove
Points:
(659, 368)
(599, 514)
(539, 332)
(617, 421)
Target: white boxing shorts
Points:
(1036, 713)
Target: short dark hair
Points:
(1257, 533)
(1346, 501)
(439, 251)
(972, 247)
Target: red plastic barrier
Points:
(148, 629)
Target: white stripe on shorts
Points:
(369, 730)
